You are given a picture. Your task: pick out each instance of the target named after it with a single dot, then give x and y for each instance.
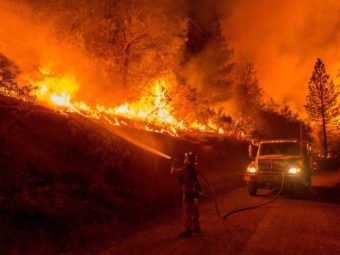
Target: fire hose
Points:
(237, 210)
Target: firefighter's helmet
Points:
(190, 158)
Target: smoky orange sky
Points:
(284, 39)
(32, 41)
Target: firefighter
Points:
(187, 176)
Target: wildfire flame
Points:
(154, 109)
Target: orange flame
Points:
(154, 110)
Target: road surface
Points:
(288, 226)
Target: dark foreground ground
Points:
(309, 225)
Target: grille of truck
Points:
(271, 165)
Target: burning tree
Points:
(322, 106)
(132, 41)
(139, 40)
(248, 96)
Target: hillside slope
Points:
(69, 184)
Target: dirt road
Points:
(288, 226)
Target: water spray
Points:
(132, 140)
(143, 146)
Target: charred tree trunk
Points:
(126, 54)
(325, 143)
(241, 124)
(126, 69)
(324, 131)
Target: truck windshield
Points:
(279, 149)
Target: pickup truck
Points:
(274, 158)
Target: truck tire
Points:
(252, 188)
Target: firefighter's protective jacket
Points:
(187, 176)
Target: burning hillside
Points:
(134, 77)
(153, 110)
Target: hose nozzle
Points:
(174, 162)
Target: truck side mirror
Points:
(252, 150)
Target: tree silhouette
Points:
(248, 96)
(322, 108)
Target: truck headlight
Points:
(251, 169)
(294, 170)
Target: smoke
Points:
(208, 58)
(284, 39)
(32, 40)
